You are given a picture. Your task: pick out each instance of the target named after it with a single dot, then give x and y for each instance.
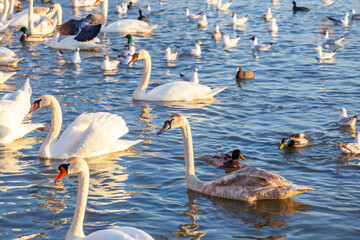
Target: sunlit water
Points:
(144, 187)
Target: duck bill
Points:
(241, 157)
(164, 128)
(62, 173)
(281, 146)
(36, 106)
(133, 59)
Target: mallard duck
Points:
(29, 38)
(244, 75)
(353, 148)
(295, 140)
(228, 161)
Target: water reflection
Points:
(259, 215)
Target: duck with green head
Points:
(25, 37)
(226, 160)
(295, 140)
(127, 45)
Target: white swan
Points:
(89, 135)
(124, 25)
(21, 18)
(174, 91)
(8, 57)
(83, 3)
(13, 108)
(44, 27)
(5, 22)
(69, 42)
(5, 76)
(80, 167)
(248, 184)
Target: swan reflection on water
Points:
(260, 214)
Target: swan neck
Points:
(59, 15)
(196, 78)
(105, 10)
(5, 11)
(191, 178)
(11, 8)
(141, 88)
(76, 228)
(55, 127)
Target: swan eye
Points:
(65, 166)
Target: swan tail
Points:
(152, 27)
(123, 145)
(216, 91)
(15, 61)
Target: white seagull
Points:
(192, 16)
(228, 43)
(344, 22)
(170, 56)
(344, 120)
(202, 22)
(352, 148)
(327, 3)
(108, 65)
(273, 27)
(194, 78)
(332, 41)
(75, 58)
(193, 51)
(223, 7)
(238, 21)
(259, 47)
(324, 55)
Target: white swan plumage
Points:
(173, 91)
(79, 166)
(8, 57)
(89, 135)
(4, 76)
(248, 184)
(13, 108)
(124, 25)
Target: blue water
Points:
(144, 187)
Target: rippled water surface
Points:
(144, 187)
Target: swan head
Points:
(142, 54)
(175, 120)
(43, 101)
(71, 166)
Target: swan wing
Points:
(250, 184)
(181, 91)
(5, 52)
(91, 134)
(129, 25)
(128, 233)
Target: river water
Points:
(144, 187)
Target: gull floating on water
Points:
(273, 27)
(238, 21)
(154, 12)
(194, 78)
(193, 51)
(216, 35)
(352, 148)
(228, 43)
(202, 22)
(353, 15)
(324, 55)
(170, 56)
(192, 16)
(75, 58)
(344, 22)
(267, 16)
(259, 47)
(344, 120)
(332, 41)
(327, 3)
(223, 7)
(122, 8)
(108, 65)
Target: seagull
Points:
(273, 27)
(192, 16)
(223, 7)
(324, 55)
(238, 21)
(154, 12)
(196, 52)
(202, 22)
(228, 43)
(352, 148)
(327, 3)
(122, 9)
(71, 59)
(344, 22)
(300, 9)
(216, 35)
(194, 78)
(85, 29)
(344, 120)
(332, 41)
(354, 16)
(109, 65)
(267, 16)
(259, 47)
(170, 56)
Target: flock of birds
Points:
(94, 134)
